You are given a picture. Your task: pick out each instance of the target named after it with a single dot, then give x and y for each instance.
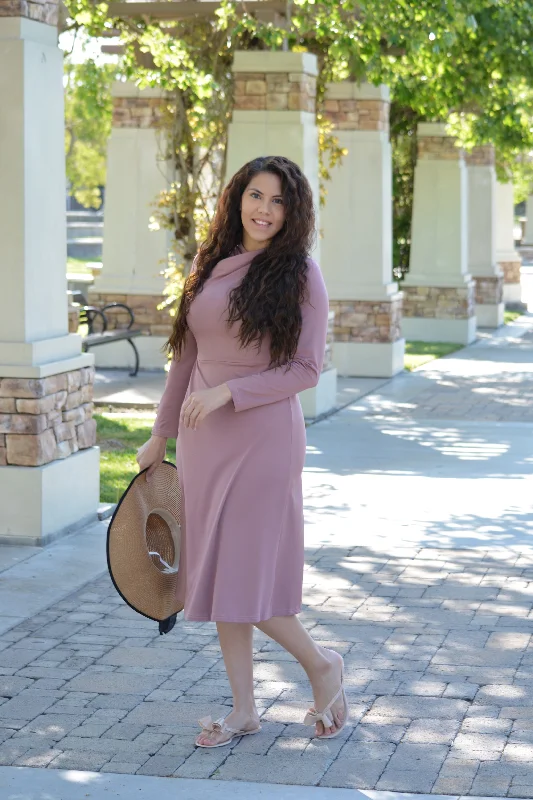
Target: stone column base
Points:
(41, 504)
(155, 324)
(511, 271)
(46, 419)
(47, 487)
(439, 313)
(512, 287)
(368, 340)
(369, 360)
(489, 301)
(144, 306)
(422, 329)
(119, 355)
(512, 293)
(322, 397)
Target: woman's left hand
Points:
(199, 404)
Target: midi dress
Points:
(240, 471)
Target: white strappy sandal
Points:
(219, 726)
(326, 716)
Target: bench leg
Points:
(135, 371)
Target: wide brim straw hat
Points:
(144, 543)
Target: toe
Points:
(320, 729)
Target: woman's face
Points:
(262, 210)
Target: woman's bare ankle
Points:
(246, 711)
(322, 665)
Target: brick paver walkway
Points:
(437, 644)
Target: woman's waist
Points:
(224, 369)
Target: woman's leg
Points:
(236, 642)
(323, 666)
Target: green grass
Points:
(77, 266)
(418, 353)
(119, 437)
(510, 316)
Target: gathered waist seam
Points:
(218, 361)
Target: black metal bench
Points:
(101, 329)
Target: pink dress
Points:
(241, 469)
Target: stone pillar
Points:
(274, 113)
(439, 292)
(134, 255)
(506, 255)
(528, 233)
(357, 245)
(482, 237)
(49, 467)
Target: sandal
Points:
(325, 716)
(219, 726)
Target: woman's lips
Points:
(262, 223)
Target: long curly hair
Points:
(268, 299)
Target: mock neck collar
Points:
(239, 259)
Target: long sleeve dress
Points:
(240, 471)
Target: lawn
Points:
(418, 353)
(77, 265)
(510, 316)
(119, 436)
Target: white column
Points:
(133, 254)
(274, 113)
(438, 289)
(357, 244)
(506, 254)
(482, 237)
(45, 380)
(528, 234)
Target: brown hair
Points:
(268, 299)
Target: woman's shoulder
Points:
(314, 273)
(313, 265)
(315, 279)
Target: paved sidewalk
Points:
(419, 533)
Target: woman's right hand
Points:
(151, 454)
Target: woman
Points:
(249, 335)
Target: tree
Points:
(465, 61)
(88, 112)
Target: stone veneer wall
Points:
(46, 419)
(330, 338)
(45, 11)
(144, 306)
(442, 148)
(368, 320)
(358, 115)
(73, 319)
(511, 271)
(482, 156)
(274, 91)
(440, 302)
(137, 112)
(489, 290)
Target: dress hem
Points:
(253, 621)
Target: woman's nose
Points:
(264, 207)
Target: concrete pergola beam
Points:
(188, 9)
